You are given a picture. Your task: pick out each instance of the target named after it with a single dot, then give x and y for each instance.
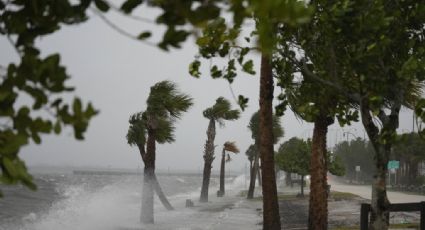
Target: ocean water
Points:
(92, 202)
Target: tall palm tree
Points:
(165, 105)
(219, 112)
(250, 154)
(229, 147)
(254, 127)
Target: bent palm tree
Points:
(165, 105)
(219, 112)
(254, 127)
(229, 147)
(250, 154)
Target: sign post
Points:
(357, 173)
(393, 166)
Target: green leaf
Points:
(243, 102)
(10, 167)
(129, 5)
(56, 102)
(90, 111)
(13, 142)
(194, 69)
(36, 138)
(371, 46)
(248, 67)
(144, 35)
(57, 128)
(76, 106)
(215, 72)
(101, 5)
(29, 184)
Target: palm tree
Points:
(250, 154)
(254, 127)
(165, 105)
(229, 147)
(219, 112)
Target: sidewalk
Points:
(365, 191)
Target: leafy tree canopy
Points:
(356, 153)
(294, 156)
(411, 146)
(43, 79)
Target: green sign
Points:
(393, 164)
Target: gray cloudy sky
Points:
(115, 73)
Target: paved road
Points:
(365, 192)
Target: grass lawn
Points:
(392, 226)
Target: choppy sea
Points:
(70, 201)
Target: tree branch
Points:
(137, 18)
(383, 117)
(240, 47)
(352, 96)
(367, 120)
(14, 46)
(119, 30)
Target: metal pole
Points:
(422, 225)
(245, 177)
(364, 216)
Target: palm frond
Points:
(230, 146)
(164, 133)
(166, 100)
(178, 104)
(278, 131)
(254, 127)
(231, 115)
(413, 93)
(251, 151)
(136, 134)
(222, 109)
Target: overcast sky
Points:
(115, 74)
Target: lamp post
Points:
(345, 134)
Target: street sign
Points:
(357, 168)
(393, 164)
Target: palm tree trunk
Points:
(318, 206)
(302, 185)
(156, 184)
(146, 215)
(259, 175)
(271, 218)
(205, 182)
(253, 174)
(222, 174)
(208, 159)
(161, 194)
